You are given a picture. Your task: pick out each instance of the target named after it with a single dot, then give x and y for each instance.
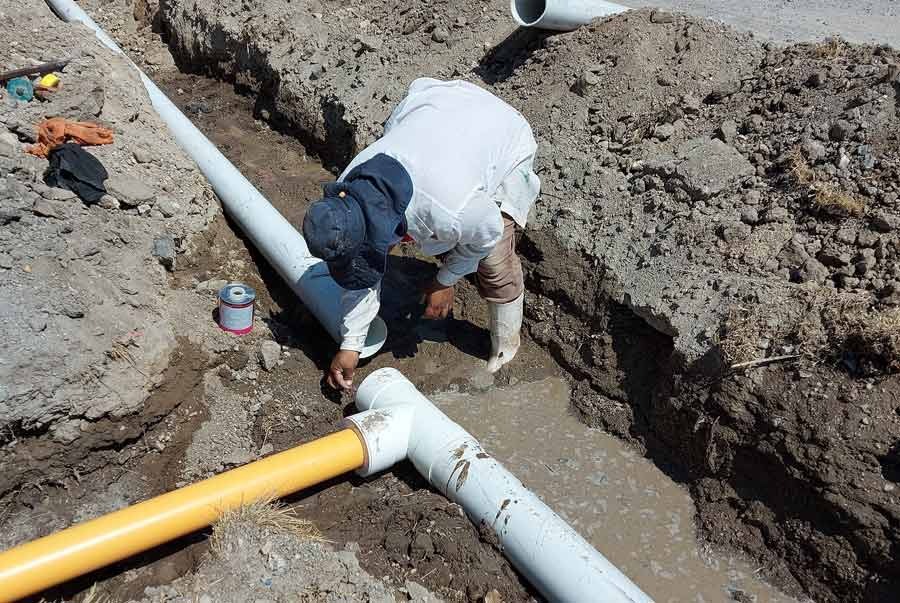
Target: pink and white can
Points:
(236, 307)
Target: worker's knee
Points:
(501, 281)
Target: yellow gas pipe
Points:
(32, 567)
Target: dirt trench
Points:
(779, 459)
(792, 462)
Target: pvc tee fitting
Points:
(398, 422)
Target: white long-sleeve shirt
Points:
(458, 143)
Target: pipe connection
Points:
(397, 422)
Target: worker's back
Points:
(458, 142)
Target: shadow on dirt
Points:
(502, 60)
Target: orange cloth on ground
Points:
(56, 131)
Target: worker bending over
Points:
(454, 174)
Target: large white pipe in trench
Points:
(561, 15)
(398, 422)
(270, 232)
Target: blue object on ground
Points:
(20, 88)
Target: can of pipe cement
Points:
(236, 307)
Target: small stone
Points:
(164, 251)
(665, 80)
(144, 209)
(658, 16)
(814, 150)
(369, 43)
(750, 216)
(10, 139)
(883, 222)
(753, 197)
(214, 284)
(315, 71)
(728, 130)
(812, 271)
(130, 191)
(723, 91)
(142, 155)
(888, 487)
(109, 202)
(266, 449)
(834, 260)
(58, 194)
(269, 354)
(168, 206)
(867, 238)
(816, 79)
(7, 216)
(664, 131)
(45, 209)
(843, 161)
(775, 214)
(690, 104)
(846, 235)
(734, 232)
(586, 81)
(440, 35)
(198, 107)
(840, 130)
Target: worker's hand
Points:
(340, 373)
(438, 301)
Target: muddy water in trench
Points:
(618, 500)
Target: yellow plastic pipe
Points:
(32, 567)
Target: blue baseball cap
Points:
(354, 225)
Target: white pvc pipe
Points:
(561, 15)
(270, 232)
(399, 422)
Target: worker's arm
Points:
(481, 228)
(359, 309)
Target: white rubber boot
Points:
(506, 322)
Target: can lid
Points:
(237, 293)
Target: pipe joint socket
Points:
(385, 434)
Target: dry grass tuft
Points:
(831, 48)
(825, 196)
(739, 337)
(835, 201)
(265, 513)
(876, 335)
(92, 596)
(800, 169)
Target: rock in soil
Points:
(269, 354)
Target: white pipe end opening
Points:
(561, 15)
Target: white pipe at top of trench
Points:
(561, 15)
(398, 422)
(270, 232)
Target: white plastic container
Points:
(561, 15)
